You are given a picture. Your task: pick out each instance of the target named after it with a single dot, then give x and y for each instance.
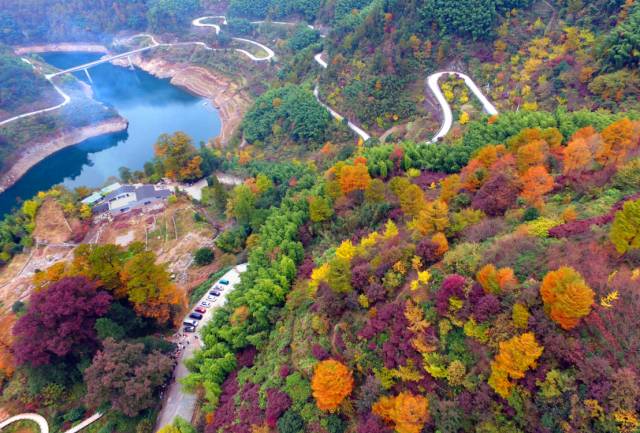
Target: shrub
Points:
(291, 422)
(203, 256)
(464, 259)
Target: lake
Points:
(152, 107)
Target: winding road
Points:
(432, 80)
(66, 99)
(42, 422)
(447, 121)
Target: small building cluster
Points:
(117, 199)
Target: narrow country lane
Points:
(178, 402)
(44, 426)
(447, 115)
(66, 99)
(432, 82)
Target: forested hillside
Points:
(21, 87)
(529, 55)
(33, 21)
(484, 282)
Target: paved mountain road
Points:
(178, 402)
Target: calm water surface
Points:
(151, 106)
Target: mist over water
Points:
(152, 107)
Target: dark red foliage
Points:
(329, 302)
(372, 424)
(246, 357)
(277, 404)
(225, 414)
(319, 352)
(591, 259)
(587, 181)
(396, 157)
(360, 275)
(250, 412)
(305, 234)
(305, 268)
(396, 214)
(497, 195)
(485, 229)
(486, 307)
(397, 348)
(60, 322)
(453, 285)
(427, 178)
(427, 250)
(127, 378)
(575, 228)
(375, 292)
(367, 394)
(285, 371)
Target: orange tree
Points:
(332, 382)
(566, 296)
(406, 411)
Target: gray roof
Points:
(121, 190)
(150, 191)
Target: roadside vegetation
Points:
(485, 283)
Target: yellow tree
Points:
(625, 230)
(149, 288)
(412, 200)
(515, 357)
(449, 187)
(433, 218)
(567, 297)
(531, 154)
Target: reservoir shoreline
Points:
(230, 102)
(35, 153)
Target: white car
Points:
(211, 298)
(205, 304)
(190, 322)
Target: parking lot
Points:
(177, 402)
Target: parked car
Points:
(205, 304)
(200, 310)
(224, 282)
(211, 298)
(196, 316)
(214, 293)
(218, 288)
(189, 329)
(190, 322)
